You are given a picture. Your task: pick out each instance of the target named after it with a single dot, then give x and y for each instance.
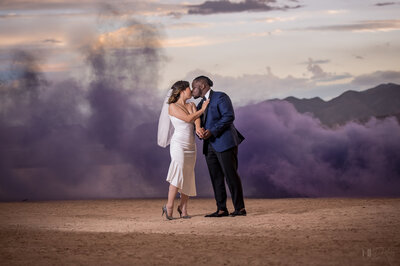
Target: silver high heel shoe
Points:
(164, 210)
(180, 213)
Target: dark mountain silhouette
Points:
(380, 102)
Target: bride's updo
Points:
(176, 90)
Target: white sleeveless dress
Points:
(183, 157)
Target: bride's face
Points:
(187, 93)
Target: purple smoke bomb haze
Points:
(290, 154)
(70, 140)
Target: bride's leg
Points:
(184, 203)
(171, 198)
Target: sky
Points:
(82, 84)
(254, 49)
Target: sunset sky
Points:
(253, 49)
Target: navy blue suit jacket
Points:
(218, 118)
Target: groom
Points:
(220, 146)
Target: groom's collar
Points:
(208, 94)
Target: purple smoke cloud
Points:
(70, 140)
(290, 154)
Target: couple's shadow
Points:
(191, 216)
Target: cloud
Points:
(318, 61)
(362, 26)
(21, 8)
(225, 6)
(385, 4)
(319, 74)
(43, 30)
(51, 41)
(377, 78)
(45, 4)
(196, 41)
(128, 37)
(316, 70)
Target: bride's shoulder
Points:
(172, 109)
(173, 106)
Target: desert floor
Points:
(322, 231)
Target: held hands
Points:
(200, 132)
(203, 133)
(206, 134)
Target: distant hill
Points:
(381, 101)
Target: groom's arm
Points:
(227, 116)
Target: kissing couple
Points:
(212, 120)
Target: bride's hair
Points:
(176, 90)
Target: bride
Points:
(176, 127)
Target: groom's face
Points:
(197, 89)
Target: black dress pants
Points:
(223, 165)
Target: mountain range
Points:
(381, 101)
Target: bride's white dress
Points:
(183, 157)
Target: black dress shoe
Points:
(217, 214)
(241, 212)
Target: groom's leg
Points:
(217, 178)
(229, 163)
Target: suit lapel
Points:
(206, 111)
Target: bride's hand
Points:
(205, 104)
(200, 132)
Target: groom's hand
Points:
(207, 134)
(200, 132)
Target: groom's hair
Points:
(204, 79)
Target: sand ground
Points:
(323, 231)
